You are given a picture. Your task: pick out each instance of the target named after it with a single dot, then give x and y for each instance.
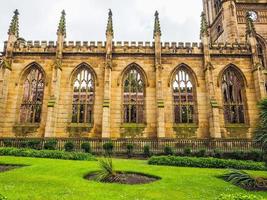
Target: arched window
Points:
(233, 96)
(133, 96)
(32, 99)
(83, 96)
(183, 97)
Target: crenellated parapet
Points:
(230, 48)
(130, 47)
(182, 48)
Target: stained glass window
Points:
(32, 99)
(83, 96)
(133, 97)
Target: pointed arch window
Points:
(184, 99)
(83, 96)
(233, 96)
(32, 99)
(133, 96)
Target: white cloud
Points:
(86, 19)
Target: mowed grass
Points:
(47, 179)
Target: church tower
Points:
(227, 19)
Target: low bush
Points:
(238, 197)
(2, 197)
(69, 146)
(34, 144)
(241, 178)
(7, 143)
(108, 147)
(50, 145)
(86, 147)
(255, 155)
(168, 150)
(129, 150)
(54, 154)
(147, 152)
(201, 153)
(205, 162)
(23, 144)
(187, 151)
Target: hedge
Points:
(2, 197)
(205, 162)
(54, 154)
(238, 197)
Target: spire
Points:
(110, 24)
(157, 25)
(14, 25)
(250, 29)
(204, 26)
(62, 24)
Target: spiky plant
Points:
(107, 172)
(261, 130)
(241, 178)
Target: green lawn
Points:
(46, 179)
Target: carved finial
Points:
(157, 30)
(62, 24)
(204, 26)
(250, 29)
(14, 25)
(110, 24)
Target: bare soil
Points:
(4, 167)
(129, 178)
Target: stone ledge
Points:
(79, 129)
(25, 129)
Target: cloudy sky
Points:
(86, 19)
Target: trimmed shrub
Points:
(2, 197)
(205, 162)
(168, 150)
(147, 152)
(201, 153)
(129, 150)
(34, 144)
(69, 146)
(255, 155)
(86, 147)
(187, 151)
(7, 143)
(23, 144)
(108, 147)
(50, 145)
(54, 154)
(238, 197)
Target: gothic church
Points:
(116, 89)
